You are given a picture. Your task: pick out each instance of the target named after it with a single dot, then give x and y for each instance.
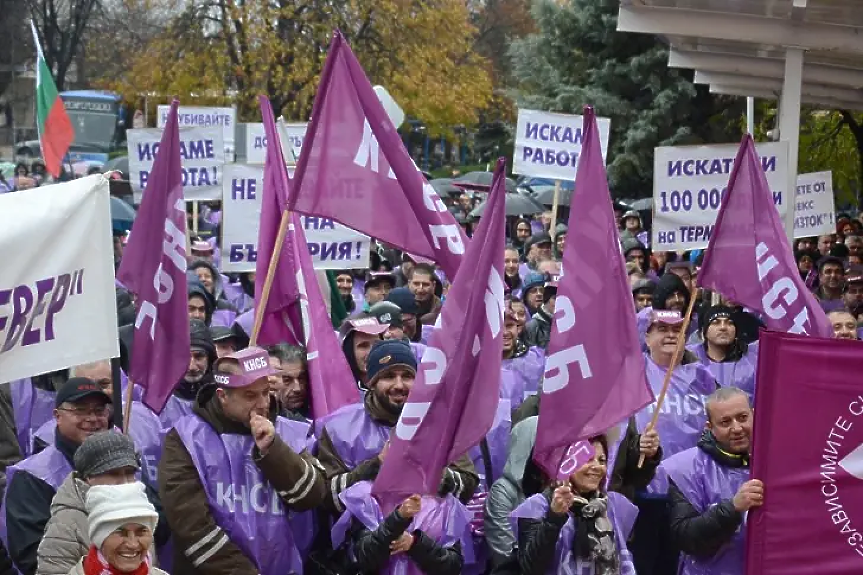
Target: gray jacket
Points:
(66, 539)
(506, 493)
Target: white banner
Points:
(547, 145)
(201, 152)
(332, 245)
(814, 214)
(689, 183)
(57, 302)
(256, 143)
(205, 117)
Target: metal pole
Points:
(750, 116)
(789, 127)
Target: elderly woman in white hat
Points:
(121, 524)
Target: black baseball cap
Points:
(78, 388)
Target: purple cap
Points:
(254, 365)
(365, 324)
(666, 316)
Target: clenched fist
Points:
(410, 506)
(263, 432)
(562, 499)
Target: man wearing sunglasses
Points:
(81, 410)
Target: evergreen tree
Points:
(578, 57)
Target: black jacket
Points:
(28, 509)
(372, 548)
(537, 332)
(699, 534)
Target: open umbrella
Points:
(122, 215)
(119, 164)
(445, 186)
(516, 205)
(642, 204)
(481, 181)
(545, 195)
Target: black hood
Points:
(667, 285)
(707, 443)
(196, 288)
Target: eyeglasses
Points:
(101, 411)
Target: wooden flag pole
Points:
(195, 217)
(552, 228)
(268, 282)
(678, 353)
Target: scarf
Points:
(594, 535)
(96, 564)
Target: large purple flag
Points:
(749, 260)
(594, 371)
(295, 311)
(355, 169)
(454, 398)
(154, 268)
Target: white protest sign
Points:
(201, 152)
(256, 143)
(814, 213)
(205, 117)
(689, 183)
(57, 280)
(332, 245)
(547, 145)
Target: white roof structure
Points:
(797, 51)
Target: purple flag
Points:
(355, 169)
(154, 268)
(594, 370)
(295, 312)
(749, 260)
(454, 398)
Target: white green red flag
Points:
(55, 129)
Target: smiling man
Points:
(81, 410)
(710, 488)
(355, 439)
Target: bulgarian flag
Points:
(55, 129)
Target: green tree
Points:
(578, 57)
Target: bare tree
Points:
(15, 44)
(61, 25)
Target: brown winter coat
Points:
(185, 501)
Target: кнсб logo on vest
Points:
(843, 448)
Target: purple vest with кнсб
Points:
(622, 515)
(739, 374)
(242, 501)
(682, 416)
(445, 520)
(705, 483)
(521, 376)
(355, 436)
(33, 407)
(49, 465)
(176, 408)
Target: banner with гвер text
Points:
(256, 143)
(57, 279)
(689, 183)
(331, 245)
(547, 144)
(205, 117)
(201, 155)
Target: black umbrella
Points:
(118, 164)
(516, 205)
(481, 181)
(445, 186)
(545, 195)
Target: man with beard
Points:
(235, 477)
(853, 296)
(711, 491)
(345, 285)
(421, 282)
(202, 355)
(355, 439)
(844, 324)
(729, 359)
(81, 410)
(831, 283)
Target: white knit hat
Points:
(109, 507)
